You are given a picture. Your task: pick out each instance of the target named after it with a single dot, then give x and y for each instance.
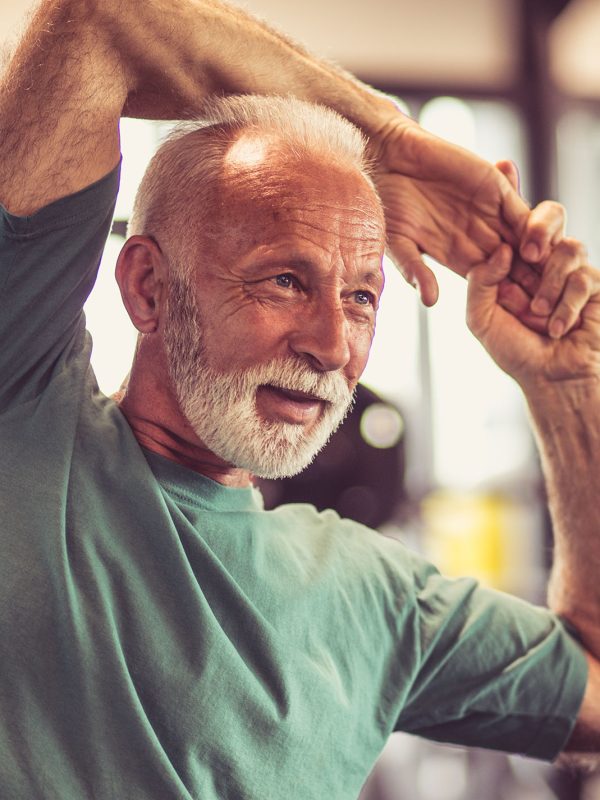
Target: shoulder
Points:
(360, 555)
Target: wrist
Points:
(389, 134)
(566, 419)
(549, 395)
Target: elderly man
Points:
(162, 635)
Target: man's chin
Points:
(275, 474)
(276, 459)
(276, 469)
(271, 451)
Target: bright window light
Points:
(480, 435)
(450, 118)
(112, 332)
(392, 369)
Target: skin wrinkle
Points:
(172, 222)
(375, 280)
(304, 231)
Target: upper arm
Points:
(48, 265)
(60, 103)
(493, 671)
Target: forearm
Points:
(567, 425)
(438, 199)
(560, 377)
(85, 63)
(178, 52)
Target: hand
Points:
(524, 291)
(572, 351)
(443, 201)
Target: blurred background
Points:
(438, 450)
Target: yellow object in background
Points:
(489, 536)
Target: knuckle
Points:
(569, 312)
(545, 218)
(580, 281)
(528, 281)
(525, 276)
(549, 208)
(555, 208)
(572, 247)
(569, 309)
(593, 275)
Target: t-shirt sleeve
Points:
(491, 670)
(48, 266)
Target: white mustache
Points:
(296, 375)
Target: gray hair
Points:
(174, 200)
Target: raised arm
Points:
(84, 63)
(566, 415)
(560, 377)
(60, 103)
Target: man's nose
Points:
(322, 337)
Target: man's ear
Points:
(141, 274)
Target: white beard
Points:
(221, 406)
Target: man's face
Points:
(267, 342)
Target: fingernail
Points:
(530, 252)
(557, 328)
(540, 306)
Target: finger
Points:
(510, 170)
(545, 227)
(408, 259)
(513, 298)
(568, 255)
(526, 276)
(517, 301)
(515, 211)
(484, 282)
(479, 243)
(580, 286)
(488, 275)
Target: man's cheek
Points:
(360, 356)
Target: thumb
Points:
(409, 261)
(483, 284)
(511, 173)
(515, 210)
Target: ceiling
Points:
(462, 42)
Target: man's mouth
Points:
(288, 405)
(295, 394)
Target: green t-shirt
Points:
(162, 636)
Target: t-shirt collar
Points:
(190, 486)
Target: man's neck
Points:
(158, 424)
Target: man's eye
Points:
(285, 280)
(364, 298)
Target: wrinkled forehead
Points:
(263, 181)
